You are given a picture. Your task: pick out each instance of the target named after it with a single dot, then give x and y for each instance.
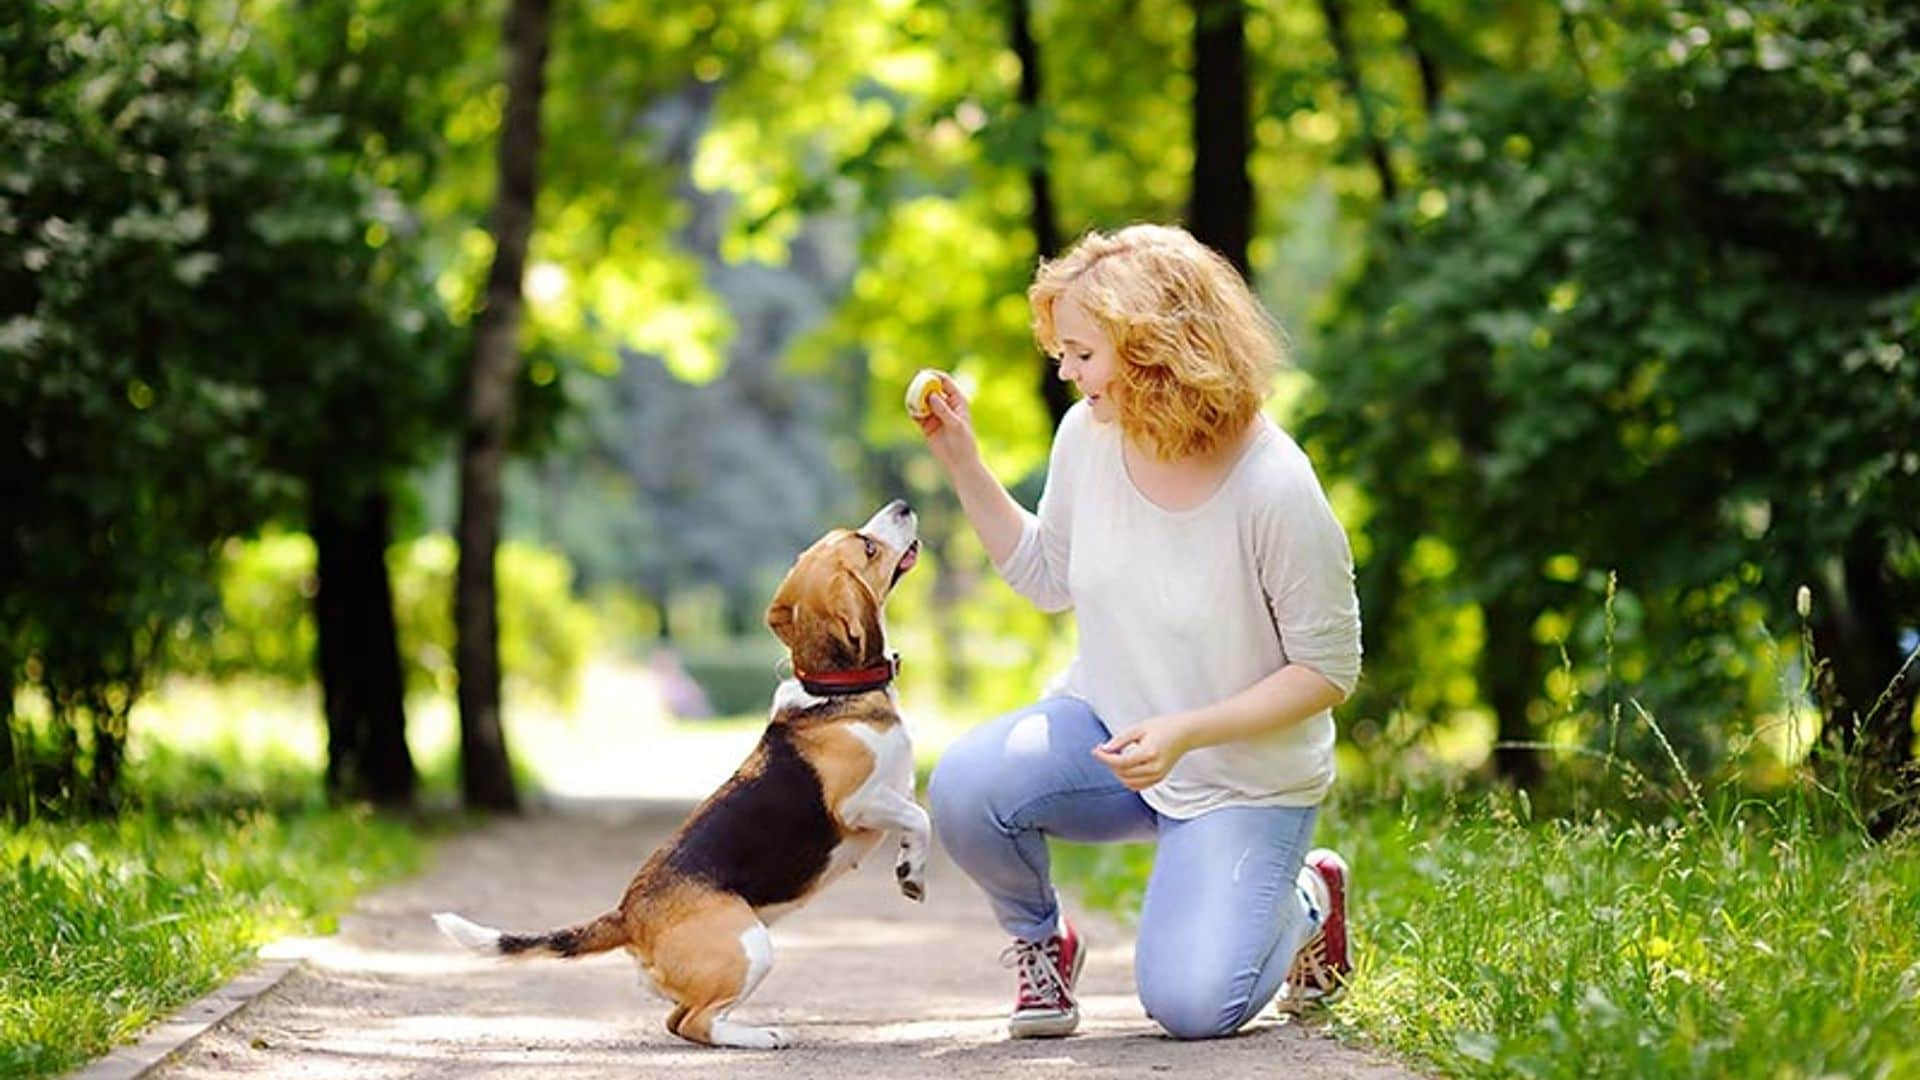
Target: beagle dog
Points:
(831, 777)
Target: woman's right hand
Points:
(948, 426)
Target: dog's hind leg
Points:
(758, 946)
(710, 963)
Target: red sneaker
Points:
(1324, 963)
(1048, 970)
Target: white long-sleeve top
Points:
(1181, 609)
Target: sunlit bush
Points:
(264, 627)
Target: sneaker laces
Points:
(1039, 965)
(1310, 971)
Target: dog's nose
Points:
(899, 508)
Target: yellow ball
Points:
(925, 384)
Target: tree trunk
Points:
(1040, 214)
(66, 734)
(486, 777)
(1220, 208)
(13, 765)
(13, 775)
(1419, 45)
(1857, 638)
(1508, 675)
(359, 652)
(663, 597)
(109, 748)
(1376, 147)
(1867, 691)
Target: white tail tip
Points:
(479, 938)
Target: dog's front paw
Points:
(912, 878)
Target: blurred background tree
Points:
(1603, 317)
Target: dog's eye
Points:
(871, 550)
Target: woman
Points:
(1213, 594)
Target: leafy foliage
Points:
(194, 324)
(1666, 326)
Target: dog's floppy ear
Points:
(780, 612)
(827, 626)
(851, 604)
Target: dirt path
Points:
(865, 982)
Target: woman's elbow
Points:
(1337, 683)
(1346, 684)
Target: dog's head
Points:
(827, 611)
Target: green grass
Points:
(106, 926)
(1741, 940)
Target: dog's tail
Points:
(606, 931)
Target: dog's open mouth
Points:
(906, 562)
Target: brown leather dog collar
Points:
(843, 683)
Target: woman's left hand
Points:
(1143, 755)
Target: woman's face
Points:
(1086, 356)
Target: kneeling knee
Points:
(1191, 1012)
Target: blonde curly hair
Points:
(1195, 350)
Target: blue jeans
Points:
(1223, 914)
